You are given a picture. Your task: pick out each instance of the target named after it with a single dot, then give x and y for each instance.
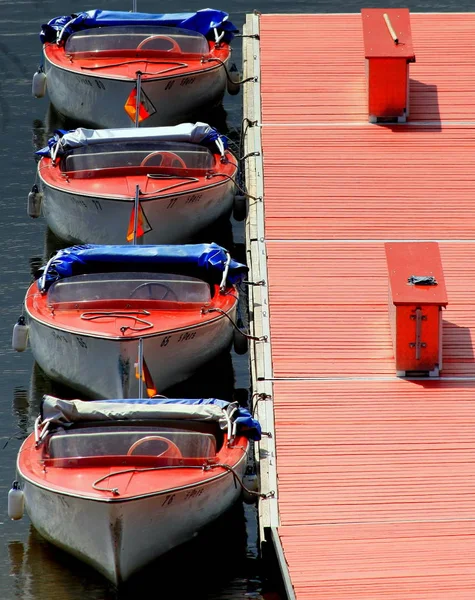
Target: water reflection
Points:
(20, 406)
(54, 120)
(39, 137)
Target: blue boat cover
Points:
(191, 133)
(202, 21)
(67, 412)
(204, 261)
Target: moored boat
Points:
(119, 69)
(180, 180)
(118, 484)
(94, 305)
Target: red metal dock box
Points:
(388, 52)
(417, 295)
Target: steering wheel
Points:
(168, 159)
(171, 451)
(168, 292)
(174, 46)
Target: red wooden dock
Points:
(374, 474)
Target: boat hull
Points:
(101, 367)
(96, 100)
(120, 537)
(99, 220)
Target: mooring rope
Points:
(263, 338)
(270, 494)
(233, 179)
(223, 64)
(228, 468)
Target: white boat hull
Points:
(120, 537)
(173, 219)
(98, 101)
(105, 368)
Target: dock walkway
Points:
(374, 474)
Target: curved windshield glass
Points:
(154, 441)
(125, 286)
(156, 156)
(138, 38)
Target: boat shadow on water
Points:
(213, 380)
(221, 233)
(215, 116)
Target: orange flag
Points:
(142, 224)
(147, 378)
(146, 108)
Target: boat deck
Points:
(374, 474)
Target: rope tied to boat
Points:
(263, 496)
(186, 181)
(261, 282)
(207, 467)
(254, 36)
(115, 490)
(204, 467)
(245, 125)
(262, 338)
(178, 65)
(250, 155)
(93, 315)
(256, 398)
(233, 179)
(228, 76)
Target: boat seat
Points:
(191, 444)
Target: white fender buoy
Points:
(239, 207)
(38, 85)
(34, 202)
(234, 77)
(16, 502)
(239, 342)
(20, 335)
(252, 483)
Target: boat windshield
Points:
(166, 157)
(137, 441)
(124, 286)
(137, 38)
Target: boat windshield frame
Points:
(158, 288)
(135, 157)
(143, 445)
(110, 42)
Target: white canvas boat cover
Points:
(191, 133)
(68, 412)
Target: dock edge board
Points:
(260, 351)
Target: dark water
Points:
(223, 562)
